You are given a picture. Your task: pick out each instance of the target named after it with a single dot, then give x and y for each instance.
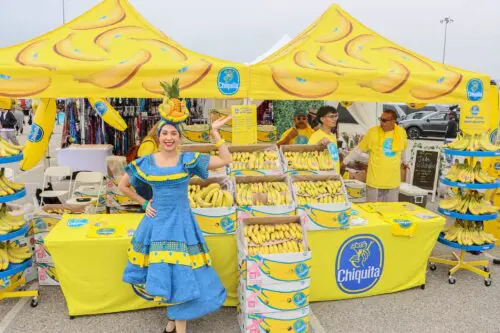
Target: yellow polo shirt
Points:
(384, 165)
(302, 138)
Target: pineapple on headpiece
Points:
(172, 108)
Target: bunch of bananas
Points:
(11, 252)
(258, 160)
(319, 192)
(211, 196)
(273, 238)
(474, 142)
(10, 223)
(464, 173)
(470, 201)
(309, 160)
(468, 233)
(6, 186)
(8, 149)
(262, 194)
(59, 211)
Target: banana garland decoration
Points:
(8, 149)
(473, 142)
(309, 161)
(211, 196)
(273, 238)
(468, 233)
(12, 253)
(471, 201)
(262, 194)
(262, 160)
(319, 192)
(464, 173)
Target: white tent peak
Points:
(280, 43)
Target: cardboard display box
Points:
(219, 220)
(49, 215)
(195, 134)
(205, 149)
(283, 321)
(323, 216)
(276, 169)
(304, 148)
(47, 275)
(42, 255)
(256, 211)
(356, 190)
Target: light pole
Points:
(447, 20)
(63, 12)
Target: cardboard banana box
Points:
(217, 219)
(205, 149)
(47, 275)
(195, 134)
(322, 165)
(276, 268)
(256, 209)
(42, 255)
(265, 160)
(356, 190)
(49, 215)
(323, 216)
(281, 321)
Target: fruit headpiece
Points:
(173, 110)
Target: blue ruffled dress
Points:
(168, 257)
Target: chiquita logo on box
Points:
(359, 264)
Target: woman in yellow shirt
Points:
(328, 119)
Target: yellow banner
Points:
(244, 124)
(90, 270)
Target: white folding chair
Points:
(59, 172)
(87, 178)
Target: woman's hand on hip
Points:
(150, 211)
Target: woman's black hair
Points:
(325, 110)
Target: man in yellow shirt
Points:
(299, 133)
(328, 125)
(385, 144)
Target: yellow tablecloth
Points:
(90, 269)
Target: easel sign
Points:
(425, 170)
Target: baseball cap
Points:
(300, 113)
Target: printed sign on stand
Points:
(244, 124)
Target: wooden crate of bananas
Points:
(263, 196)
(307, 160)
(274, 257)
(322, 201)
(206, 149)
(212, 202)
(253, 160)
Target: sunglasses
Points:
(333, 116)
(385, 120)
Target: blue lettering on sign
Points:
(77, 223)
(300, 326)
(228, 81)
(105, 231)
(405, 224)
(474, 110)
(359, 264)
(334, 152)
(301, 270)
(101, 108)
(475, 90)
(387, 148)
(301, 140)
(36, 133)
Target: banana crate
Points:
(322, 201)
(213, 206)
(195, 134)
(281, 253)
(205, 149)
(47, 275)
(42, 255)
(256, 197)
(265, 134)
(275, 252)
(307, 160)
(254, 160)
(284, 321)
(356, 190)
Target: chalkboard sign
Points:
(425, 169)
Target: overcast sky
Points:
(240, 30)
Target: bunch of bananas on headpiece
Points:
(173, 109)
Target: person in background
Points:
(8, 122)
(327, 117)
(312, 119)
(386, 144)
(451, 128)
(19, 114)
(299, 133)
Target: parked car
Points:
(418, 115)
(432, 124)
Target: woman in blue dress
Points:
(168, 256)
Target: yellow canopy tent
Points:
(112, 51)
(338, 58)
